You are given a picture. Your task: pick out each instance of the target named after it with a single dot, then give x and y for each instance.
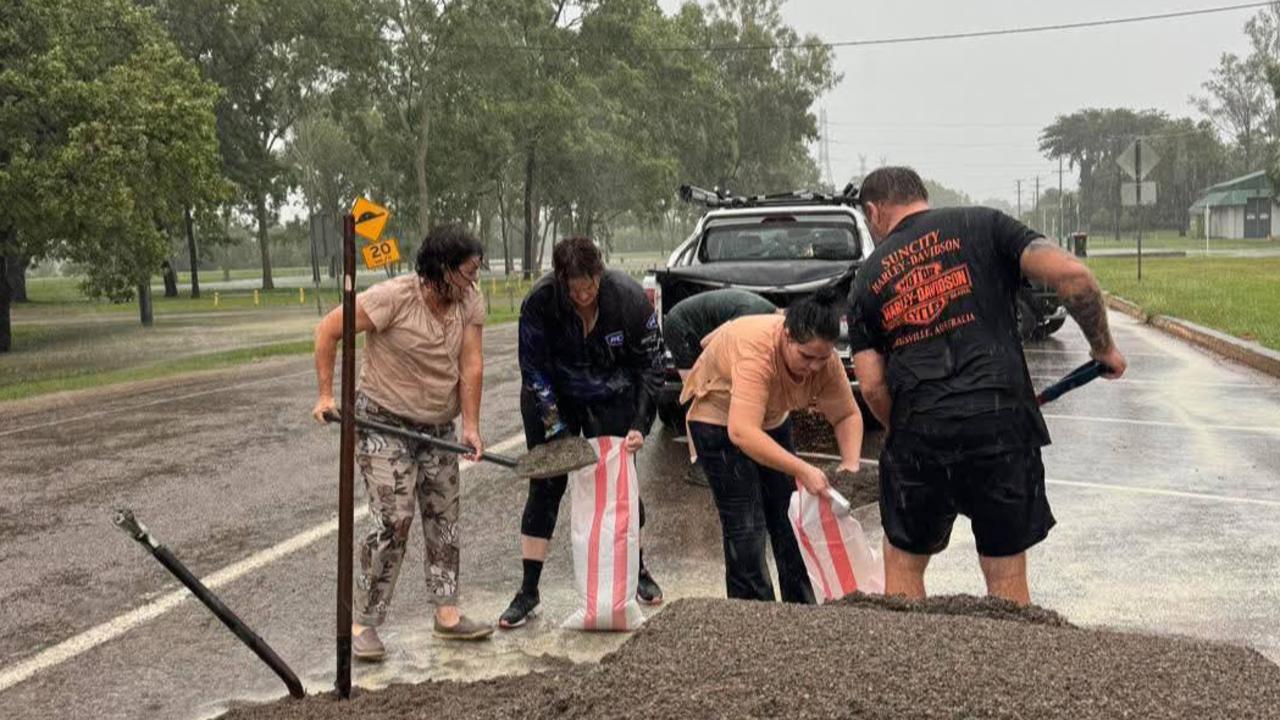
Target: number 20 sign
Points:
(380, 253)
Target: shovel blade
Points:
(558, 457)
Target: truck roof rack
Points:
(720, 198)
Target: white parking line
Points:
(112, 629)
(1084, 353)
(1265, 429)
(1108, 486)
(1171, 383)
(1165, 493)
(161, 401)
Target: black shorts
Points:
(923, 487)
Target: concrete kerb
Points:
(1242, 351)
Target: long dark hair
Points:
(816, 316)
(445, 248)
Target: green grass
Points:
(1170, 240)
(159, 370)
(63, 296)
(77, 352)
(1239, 296)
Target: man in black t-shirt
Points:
(938, 358)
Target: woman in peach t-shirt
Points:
(422, 368)
(752, 373)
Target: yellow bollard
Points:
(302, 296)
(215, 299)
(255, 297)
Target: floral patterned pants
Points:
(401, 475)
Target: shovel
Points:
(558, 457)
(1082, 375)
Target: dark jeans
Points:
(752, 501)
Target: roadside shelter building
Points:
(1244, 207)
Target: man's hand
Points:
(814, 480)
(1115, 362)
(324, 405)
(471, 437)
(634, 441)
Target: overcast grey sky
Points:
(967, 113)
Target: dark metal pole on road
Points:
(125, 520)
(346, 464)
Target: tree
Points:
(1091, 140)
(106, 134)
(1240, 106)
(943, 196)
(774, 80)
(269, 57)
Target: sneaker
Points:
(464, 629)
(647, 591)
(522, 607)
(368, 646)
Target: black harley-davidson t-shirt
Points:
(936, 298)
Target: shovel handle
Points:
(435, 442)
(1082, 375)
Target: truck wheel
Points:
(1048, 329)
(1028, 320)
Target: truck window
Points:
(775, 238)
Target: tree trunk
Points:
(506, 242)
(6, 337)
(267, 283)
(170, 277)
(542, 246)
(16, 270)
(530, 215)
(144, 303)
(420, 168)
(194, 254)
(486, 227)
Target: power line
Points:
(958, 125)
(902, 40)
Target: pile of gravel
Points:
(970, 605)
(855, 659)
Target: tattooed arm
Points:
(1045, 262)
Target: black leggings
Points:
(609, 417)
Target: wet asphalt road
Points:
(1164, 484)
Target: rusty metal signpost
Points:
(346, 462)
(366, 219)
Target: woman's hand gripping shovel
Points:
(558, 457)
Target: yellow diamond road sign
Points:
(381, 252)
(370, 219)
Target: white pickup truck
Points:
(781, 247)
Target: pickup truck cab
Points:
(781, 247)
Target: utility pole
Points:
(1019, 200)
(1036, 207)
(1061, 233)
(825, 150)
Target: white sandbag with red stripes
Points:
(835, 549)
(605, 530)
